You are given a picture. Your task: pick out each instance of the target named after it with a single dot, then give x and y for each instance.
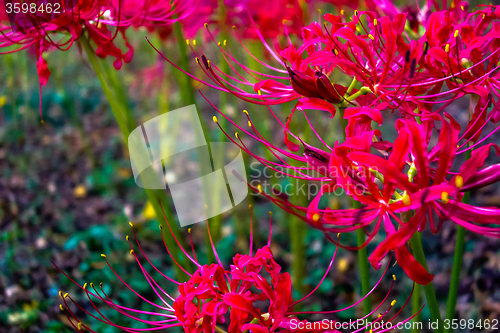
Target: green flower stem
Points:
(122, 116)
(457, 263)
(416, 306)
(360, 234)
(430, 294)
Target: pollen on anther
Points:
(455, 34)
(197, 60)
(393, 303)
(394, 277)
(447, 48)
(194, 41)
(445, 197)
(79, 326)
(225, 42)
(406, 200)
(131, 251)
(189, 230)
(215, 119)
(206, 25)
(61, 307)
(375, 22)
(336, 51)
(131, 224)
(85, 286)
(187, 41)
(126, 237)
(60, 294)
(371, 36)
(316, 217)
(66, 295)
(236, 135)
(245, 111)
(103, 255)
(249, 123)
(92, 284)
(259, 187)
(459, 181)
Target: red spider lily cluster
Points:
(214, 294)
(416, 63)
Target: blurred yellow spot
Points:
(394, 277)
(445, 197)
(103, 255)
(215, 119)
(149, 211)
(249, 123)
(371, 36)
(375, 22)
(225, 42)
(393, 303)
(189, 230)
(3, 100)
(447, 48)
(406, 200)
(187, 41)
(459, 181)
(61, 307)
(79, 326)
(316, 217)
(343, 265)
(127, 238)
(194, 41)
(131, 251)
(80, 191)
(131, 224)
(341, 12)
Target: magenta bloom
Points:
(214, 293)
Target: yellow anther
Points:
(459, 181)
(371, 36)
(259, 187)
(341, 12)
(189, 230)
(60, 294)
(356, 12)
(379, 315)
(371, 331)
(127, 238)
(206, 25)
(215, 119)
(194, 41)
(406, 200)
(249, 123)
(338, 235)
(375, 22)
(131, 251)
(394, 277)
(197, 60)
(484, 16)
(85, 286)
(79, 326)
(270, 213)
(225, 42)
(236, 135)
(358, 29)
(259, 92)
(445, 197)
(393, 303)
(218, 43)
(234, 27)
(447, 48)
(336, 51)
(160, 226)
(455, 34)
(61, 307)
(250, 206)
(131, 224)
(462, 7)
(66, 295)
(283, 21)
(103, 255)
(187, 41)
(245, 111)
(208, 63)
(100, 285)
(92, 284)
(316, 217)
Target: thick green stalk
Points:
(430, 294)
(364, 266)
(122, 116)
(360, 236)
(416, 306)
(457, 263)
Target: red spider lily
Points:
(44, 31)
(212, 292)
(385, 186)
